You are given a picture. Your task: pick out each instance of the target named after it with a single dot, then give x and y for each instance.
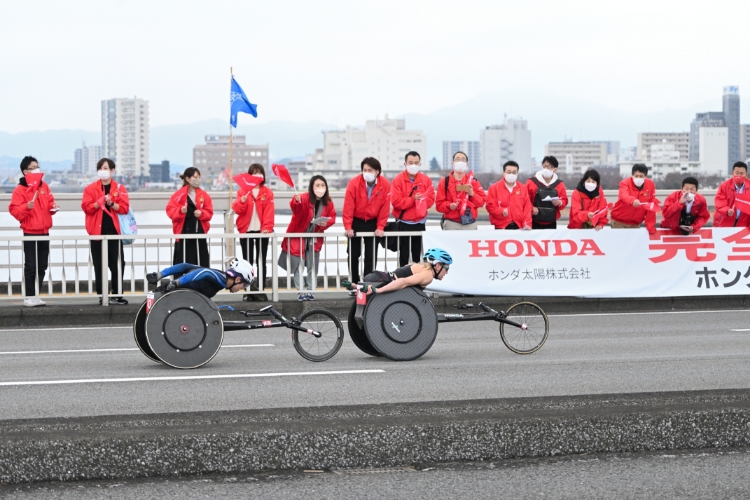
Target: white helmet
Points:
(242, 269)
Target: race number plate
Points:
(149, 301)
(361, 297)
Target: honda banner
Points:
(585, 263)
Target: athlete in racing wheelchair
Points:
(239, 275)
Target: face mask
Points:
(511, 178)
(369, 177)
(460, 167)
(547, 174)
(638, 181)
(690, 197)
(320, 192)
(738, 179)
(590, 186)
(104, 174)
(196, 183)
(412, 169)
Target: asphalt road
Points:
(585, 354)
(696, 474)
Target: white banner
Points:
(586, 263)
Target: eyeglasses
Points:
(447, 268)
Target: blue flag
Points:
(238, 103)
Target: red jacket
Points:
(581, 205)
(92, 194)
(723, 201)
(38, 220)
(519, 210)
(357, 205)
(670, 213)
(532, 188)
(443, 200)
(244, 211)
(202, 202)
(302, 215)
(625, 212)
(402, 195)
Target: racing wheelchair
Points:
(184, 329)
(402, 325)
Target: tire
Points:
(358, 335)
(529, 340)
(139, 332)
(318, 348)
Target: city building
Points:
(86, 158)
(472, 149)
(664, 152)
(510, 140)
(125, 135)
(159, 172)
(731, 109)
(388, 140)
(714, 150)
(744, 143)
(583, 155)
(702, 120)
(680, 140)
(314, 161)
(660, 168)
(212, 158)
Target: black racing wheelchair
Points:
(402, 325)
(184, 329)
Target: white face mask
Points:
(547, 173)
(690, 197)
(369, 177)
(104, 174)
(590, 186)
(638, 181)
(319, 192)
(412, 169)
(196, 183)
(460, 167)
(511, 178)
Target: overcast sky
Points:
(342, 62)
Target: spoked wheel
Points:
(534, 334)
(331, 337)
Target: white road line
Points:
(645, 313)
(188, 377)
(66, 351)
(739, 329)
(55, 329)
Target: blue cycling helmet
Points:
(438, 255)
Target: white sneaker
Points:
(33, 302)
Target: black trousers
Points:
(354, 249)
(254, 251)
(549, 225)
(35, 260)
(408, 244)
(114, 252)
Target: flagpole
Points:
(231, 181)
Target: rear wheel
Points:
(535, 329)
(331, 337)
(358, 335)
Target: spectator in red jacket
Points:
(312, 212)
(102, 201)
(635, 191)
(191, 209)
(412, 194)
(685, 211)
(545, 185)
(588, 199)
(366, 205)
(33, 207)
(459, 196)
(255, 215)
(508, 201)
(727, 214)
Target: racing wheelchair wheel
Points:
(530, 339)
(139, 332)
(358, 335)
(331, 337)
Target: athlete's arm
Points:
(420, 279)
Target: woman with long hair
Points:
(191, 209)
(255, 215)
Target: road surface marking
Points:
(739, 329)
(65, 351)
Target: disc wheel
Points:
(139, 332)
(529, 339)
(331, 337)
(358, 335)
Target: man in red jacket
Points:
(633, 206)
(412, 194)
(366, 204)
(546, 186)
(33, 207)
(727, 214)
(458, 196)
(508, 201)
(685, 211)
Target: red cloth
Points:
(626, 213)
(724, 200)
(517, 203)
(402, 197)
(94, 193)
(247, 182)
(302, 215)
(443, 202)
(357, 205)
(244, 211)
(202, 202)
(38, 220)
(581, 205)
(283, 174)
(532, 188)
(672, 209)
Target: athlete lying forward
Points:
(239, 275)
(435, 266)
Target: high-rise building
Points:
(212, 158)
(510, 140)
(714, 150)
(731, 109)
(159, 172)
(86, 158)
(125, 135)
(681, 141)
(702, 120)
(744, 143)
(584, 155)
(472, 149)
(388, 140)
